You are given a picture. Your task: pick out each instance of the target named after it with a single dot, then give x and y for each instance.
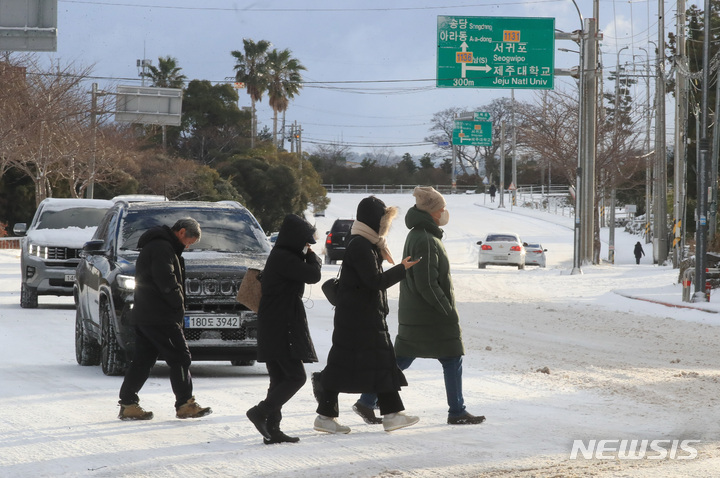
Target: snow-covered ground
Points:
(619, 369)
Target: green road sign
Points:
(472, 133)
(481, 116)
(495, 52)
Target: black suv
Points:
(336, 240)
(217, 327)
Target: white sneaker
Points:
(329, 425)
(395, 421)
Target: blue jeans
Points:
(452, 371)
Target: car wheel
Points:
(242, 363)
(481, 265)
(521, 267)
(28, 297)
(113, 357)
(87, 350)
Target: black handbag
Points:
(330, 289)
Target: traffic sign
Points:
(481, 116)
(472, 133)
(495, 52)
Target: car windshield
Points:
(224, 230)
(501, 238)
(81, 217)
(533, 246)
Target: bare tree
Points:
(47, 118)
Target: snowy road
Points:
(620, 369)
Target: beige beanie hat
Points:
(428, 199)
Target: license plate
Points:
(500, 258)
(69, 277)
(211, 322)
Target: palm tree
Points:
(166, 74)
(250, 69)
(283, 82)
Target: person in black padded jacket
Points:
(158, 315)
(284, 341)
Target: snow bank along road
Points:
(618, 370)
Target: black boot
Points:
(258, 415)
(317, 388)
(277, 436)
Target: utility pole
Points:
(702, 174)
(588, 144)
(648, 152)
(660, 245)
(611, 242)
(712, 199)
(681, 95)
(93, 129)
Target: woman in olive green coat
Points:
(429, 326)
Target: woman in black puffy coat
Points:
(284, 342)
(362, 357)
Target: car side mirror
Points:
(94, 247)
(524, 244)
(479, 243)
(20, 228)
(327, 232)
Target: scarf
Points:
(362, 229)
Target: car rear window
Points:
(81, 217)
(501, 238)
(342, 226)
(225, 230)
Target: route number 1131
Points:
(511, 35)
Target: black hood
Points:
(294, 233)
(161, 232)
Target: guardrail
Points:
(390, 188)
(688, 280)
(9, 243)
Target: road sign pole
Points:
(502, 166)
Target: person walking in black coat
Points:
(639, 252)
(493, 190)
(284, 341)
(158, 315)
(362, 358)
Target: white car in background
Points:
(535, 254)
(501, 248)
(51, 246)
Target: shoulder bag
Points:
(250, 289)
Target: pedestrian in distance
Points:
(158, 316)
(284, 341)
(428, 321)
(639, 252)
(493, 190)
(362, 358)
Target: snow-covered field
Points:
(619, 369)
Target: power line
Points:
(309, 10)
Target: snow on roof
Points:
(58, 204)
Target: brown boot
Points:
(191, 409)
(133, 411)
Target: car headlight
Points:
(38, 251)
(126, 282)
